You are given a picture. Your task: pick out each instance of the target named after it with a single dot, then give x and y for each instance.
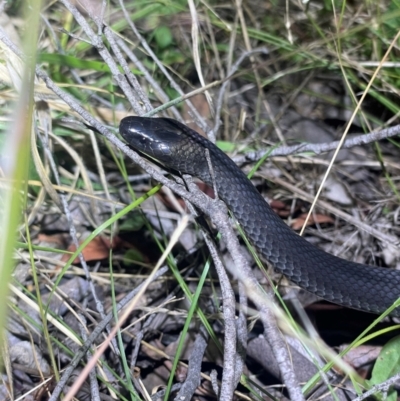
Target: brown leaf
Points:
(362, 355)
(314, 219)
(280, 208)
(97, 249)
(56, 240)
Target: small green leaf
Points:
(386, 366)
(73, 62)
(229, 147)
(133, 256)
(77, 63)
(226, 146)
(163, 37)
(133, 223)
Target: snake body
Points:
(368, 288)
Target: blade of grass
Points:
(15, 163)
(192, 310)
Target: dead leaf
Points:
(314, 219)
(280, 208)
(97, 249)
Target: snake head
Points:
(152, 137)
(167, 141)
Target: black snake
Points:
(363, 287)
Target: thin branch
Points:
(228, 384)
(318, 148)
(95, 40)
(381, 387)
(243, 272)
(193, 377)
(198, 118)
(241, 333)
(128, 73)
(224, 86)
(158, 91)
